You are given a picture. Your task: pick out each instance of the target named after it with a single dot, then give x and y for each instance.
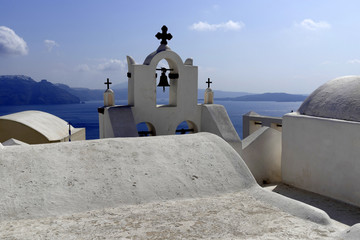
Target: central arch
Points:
(186, 127)
(172, 75)
(145, 129)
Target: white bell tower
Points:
(183, 106)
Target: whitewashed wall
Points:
(322, 155)
(261, 152)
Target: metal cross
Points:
(163, 35)
(108, 83)
(208, 82)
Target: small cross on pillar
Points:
(108, 83)
(209, 94)
(163, 35)
(208, 82)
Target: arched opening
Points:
(186, 127)
(167, 75)
(145, 129)
(162, 93)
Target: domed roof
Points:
(338, 99)
(50, 126)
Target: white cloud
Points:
(82, 68)
(229, 25)
(354, 61)
(11, 43)
(102, 65)
(50, 44)
(112, 65)
(310, 24)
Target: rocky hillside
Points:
(23, 90)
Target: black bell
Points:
(163, 80)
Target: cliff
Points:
(23, 90)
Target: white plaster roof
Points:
(51, 126)
(118, 170)
(338, 99)
(197, 182)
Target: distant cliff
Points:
(23, 90)
(273, 97)
(84, 94)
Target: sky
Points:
(250, 46)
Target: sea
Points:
(85, 115)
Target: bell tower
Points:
(180, 79)
(143, 116)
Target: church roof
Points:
(52, 127)
(338, 99)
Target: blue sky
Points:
(254, 46)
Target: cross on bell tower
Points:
(209, 94)
(108, 83)
(163, 35)
(208, 82)
(109, 99)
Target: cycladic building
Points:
(36, 127)
(163, 119)
(321, 141)
(207, 178)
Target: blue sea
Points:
(86, 115)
